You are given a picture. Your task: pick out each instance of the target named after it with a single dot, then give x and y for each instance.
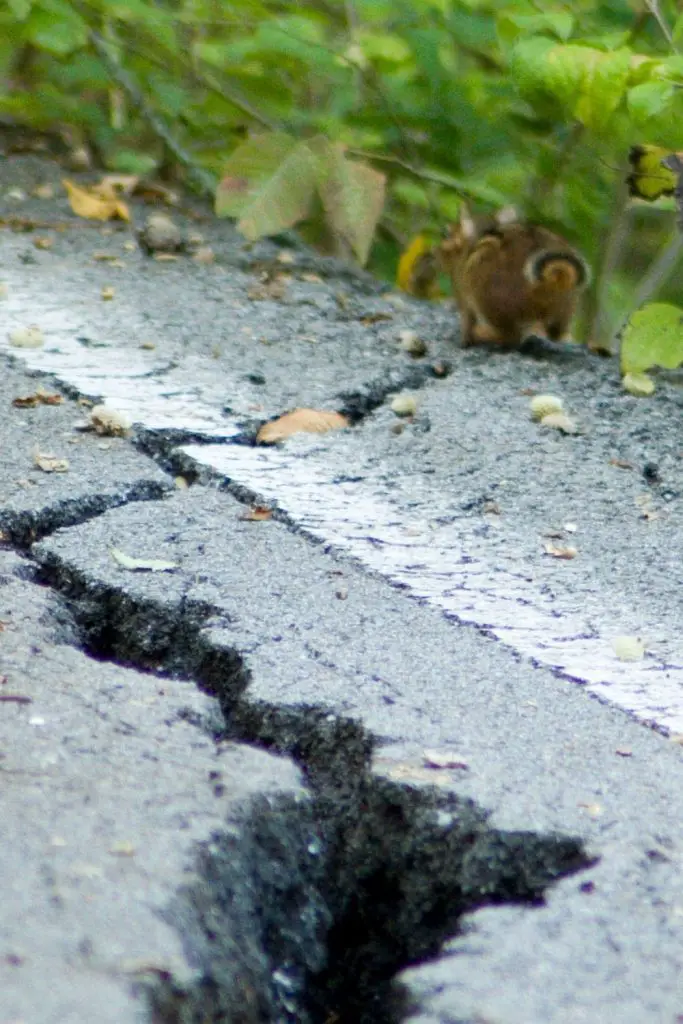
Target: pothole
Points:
(308, 911)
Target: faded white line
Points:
(440, 564)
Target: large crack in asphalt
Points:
(327, 898)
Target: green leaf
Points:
(649, 100)
(653, 337)
(20, 8)
(511, 25)
(603, 88)
(352, 195)
(248, 167)
(282, 200)
(131, 161)
(56, 27)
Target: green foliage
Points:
(271, 182)
(653, 337)
(501, 101)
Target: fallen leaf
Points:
(204, 255)
(628, 648)
(257, 514)
(50, 463)
(308, 421)
(444, 759)
(375, 318)
(43, 242)
(621, 463)
(39, 397)
(45, 191)
(95, 203)
(271, 288)
(560, 551)
(141, 564)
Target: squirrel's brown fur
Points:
(512, 280)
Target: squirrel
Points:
(512, 281)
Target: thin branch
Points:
(203, 179)
(654, 9)
(599, 334)
(432, 176)
(658, 274)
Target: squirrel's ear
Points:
(507, 215)
(467, 223)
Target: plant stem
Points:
(202, 178)
(660, 270)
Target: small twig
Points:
(598, 332)
(660, 271)
(654, 9)
(202, 178)
(15, 698)
(437, 179)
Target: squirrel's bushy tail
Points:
(559, 271)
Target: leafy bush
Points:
(522, 102)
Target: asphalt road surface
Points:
(370, 755)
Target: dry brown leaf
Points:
(95, 203)
(273, 289)
(45, 191)
(204, 255)
(257, 514)
(565, 551)
(39, 397)
(307, 421)
(50, 463)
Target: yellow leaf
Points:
(649, 179)
(310, 421)
(95, 203)
(418, 272)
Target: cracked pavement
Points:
(200, 750)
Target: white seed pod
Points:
(628, 648)
(26, 337)
(413, 344)
(544, 405)
(638, 384)
(560, 421)
(404, 405)
(107, 421)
